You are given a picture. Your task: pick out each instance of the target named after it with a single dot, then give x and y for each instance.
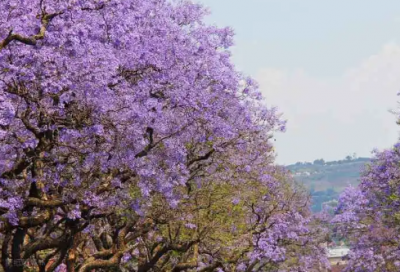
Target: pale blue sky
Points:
(332, 67)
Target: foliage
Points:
(245, 227)
(368, 215)
(128, 139)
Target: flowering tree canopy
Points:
(118, 120)
(369, 215)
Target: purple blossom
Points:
(236, 200)
(121, 104)
(75, 213)
(373, 243)
(190, 226)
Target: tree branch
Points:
(113, 262)
(30, 40)
(43, 203)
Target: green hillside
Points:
(326, 180)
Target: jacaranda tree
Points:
(118, 120)
(369, 215)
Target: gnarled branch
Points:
(30, 40)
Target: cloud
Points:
(333, 117)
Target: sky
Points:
(331, 67)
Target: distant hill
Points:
(326, 180)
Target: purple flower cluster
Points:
(108, 106)
(369, 214)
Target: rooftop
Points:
(336, 252)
